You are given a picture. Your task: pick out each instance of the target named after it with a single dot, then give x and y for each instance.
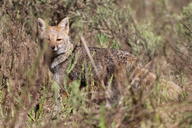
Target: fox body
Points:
(62, 52)
(65, 59)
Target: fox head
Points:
(56, 37)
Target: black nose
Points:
(52, 47)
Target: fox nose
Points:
(54, 48)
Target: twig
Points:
(91, 59)
(186, 27)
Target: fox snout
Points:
(54, 48)
(57, 49)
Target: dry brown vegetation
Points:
(159, 33)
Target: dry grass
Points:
(158, 33)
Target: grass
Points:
(27, 92)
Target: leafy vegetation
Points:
(159, 33)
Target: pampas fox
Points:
(67, 60)
(63, 51)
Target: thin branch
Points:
(91, 59)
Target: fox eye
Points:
(59, 39)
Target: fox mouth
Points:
(57, 50)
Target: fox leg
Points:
(57, 94)
(57, 99)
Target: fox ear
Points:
(41, 25)
(64, 24)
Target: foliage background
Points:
(154, 31)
